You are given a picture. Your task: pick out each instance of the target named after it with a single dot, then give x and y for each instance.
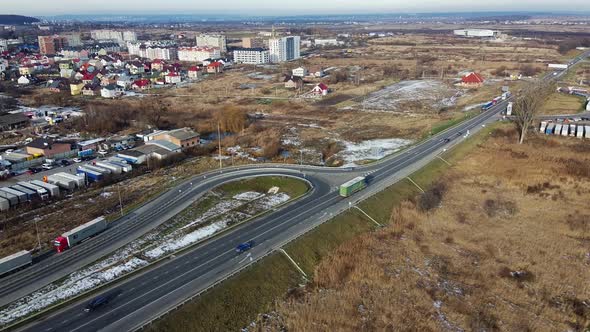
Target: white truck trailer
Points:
(51, 188)
(15, 261)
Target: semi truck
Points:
(22, 197)
(353, 186)
(80, 182)
(487, 106)
(565, 130)
(558, 128)
(40, 191)
(4, 204)
(110, 166)
(125, 167)
(12, 199)
(61, 182)
(573, 130)
(85, 153)
(587, 131)
(15, 261)
(91, 176)
(509, 109)
(580, 133)
(550, 128)
(53, 190)
(543, 126)
(31, 195)
(79, 234)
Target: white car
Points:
(77, 160)
(47, 166)
(102, 153)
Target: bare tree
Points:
(155, 109)
(527, 105)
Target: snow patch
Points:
(370, 150)
(248, 196)
(187, 239)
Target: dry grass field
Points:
(500, 243)
(561, 103)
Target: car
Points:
(35, 170)
(244, 246)
(96, 303)
(77, 160)
(47, 166)
(447, 140)
(102, 153)
(65, 162)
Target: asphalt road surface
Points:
(156, 289)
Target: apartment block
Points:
(218, 41)
(51, 44)
(198, 54)
(252, 56)
(284, 49)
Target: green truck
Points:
(353, 186)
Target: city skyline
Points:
(266, 7)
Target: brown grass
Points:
(507, 249)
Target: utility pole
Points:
(219, 140)
(38, 238)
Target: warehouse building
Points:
(477, 33)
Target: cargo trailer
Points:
(115, 169)
(15, 262)
(565, 130)
(558, 128)
(102, 170)
(550, 128)
(90, 175)
(587, 131)
(22, 197)
(4, 204)
(80, 181)
(353, 186)
(543, 126)
(573, 130)
(41, 192)
(61, 182)
(125, 167)
(580, 133)
(31, 194)
(51, 188)
(12, 199)
(80, 233)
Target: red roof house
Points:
(215, 67)
(321, 89)
(472, 79)
(141, 84)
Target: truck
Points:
(15, 262)
(487, 106)
(40, 191)
(352, 186)
(79, 234)
(98, 169)
(506, 95)
(509, 109)
(587, 131)
(31, 195)
(550, 129)
(53, 190)
(573, 130)
(80, 181)
(580, 132)
(22, 197)
(558, 128)
(124, 166)
(85, 153)
(565, 130)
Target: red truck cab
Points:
(61, 244)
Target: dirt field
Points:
(502, 242)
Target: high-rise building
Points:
(107, 35)
(284, 48)
(129, 36)
(74, 39)
(194, 54)
(248, 42)
(51, 44)
(252, 56)
(218, 41)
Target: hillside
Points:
(17, 19)
(501, 243)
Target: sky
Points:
(282, 7)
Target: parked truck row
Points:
(571, 129)
(496, 100)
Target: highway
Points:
(153, 291)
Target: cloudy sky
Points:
(281, 7)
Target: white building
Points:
(218, 41)
(477, 33)
(284, 49)
(299, 72)
(101, 35)
(163, 53)
(129, 36)
(326, 42)
(133, 48)
(73, 39)
(5, 43)
(251, 56)
(198, 54)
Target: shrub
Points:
(432, 197)
(499, 207)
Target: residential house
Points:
(293, 82)
(141, 84)
(66, 73)
(89, 78)
(14, 121)
(300, 72)
(158, 65)
(317, 71)
(472, 80)
(215, 67)
(23, 80)
(193, 72)
(183, 137)
(76, 87)
(58, 85)
(47, 147)
(110, 91)
(172, 78)
(91, 90)
(124, 81)
(136, 68)
(321, 89)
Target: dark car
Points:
(96, 303)
(65, 162)
(87, 158)
(244, 246)
(35, 170)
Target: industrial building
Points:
(477, 33)
(251, 56)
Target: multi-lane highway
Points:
(155, 290)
